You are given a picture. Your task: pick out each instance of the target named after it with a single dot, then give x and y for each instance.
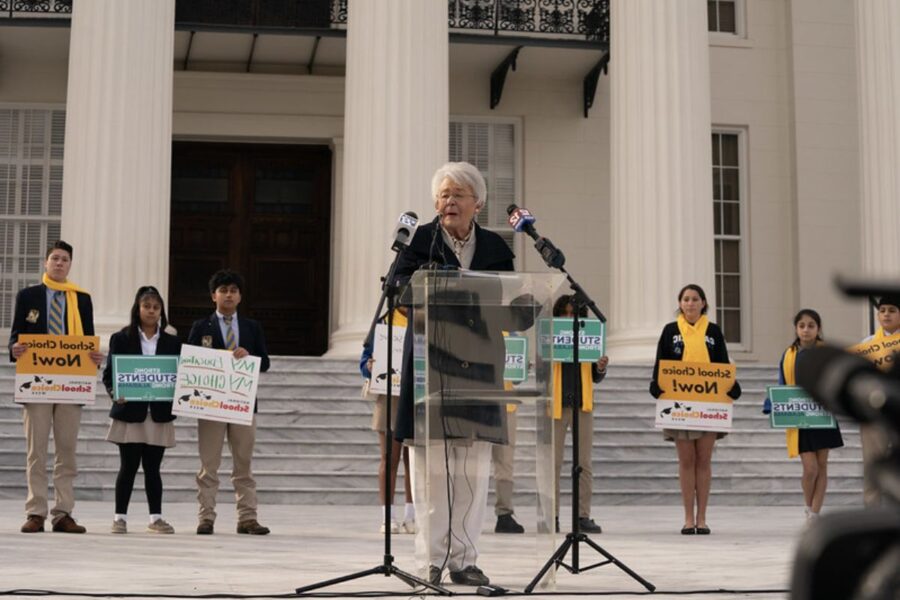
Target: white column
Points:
(116, 181)
(878, 55)
(395, 136)
(661, 206)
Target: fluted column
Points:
(878, 56)
(395, 136)
(661, 205)
(116, 181)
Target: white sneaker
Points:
(408, 527)
(160, 526)
(119, 526)
(395, 527)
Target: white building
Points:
(286, 143)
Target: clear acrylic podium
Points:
(478, 356)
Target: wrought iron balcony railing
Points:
(585, 20)
(35, 8)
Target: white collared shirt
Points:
(224, 328)
(148, 346)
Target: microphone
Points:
(521, 220)
(405, 230)
(850, 385)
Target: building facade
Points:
(165, 141)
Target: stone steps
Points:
(314, 445)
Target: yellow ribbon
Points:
(587, 389)
(792, 435)
(694, 337)
(73, 317)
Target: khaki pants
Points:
(241, 438)
(64, 419)
(585, 443)
(874, 446)
(503, 457)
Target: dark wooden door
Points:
(263, 210)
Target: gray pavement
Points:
(751, 548)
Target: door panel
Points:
(263, 210)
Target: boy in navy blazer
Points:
(47, 308)
(224, 330)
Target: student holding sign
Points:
(571, 381)
(379, 425)
(223, 330)
(873, 438)
(811, 445)
(56, 307)
(692, 338)
(141, 440)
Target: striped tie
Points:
(55, 321)
(229, 334)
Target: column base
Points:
(633, 347)
(347, 342)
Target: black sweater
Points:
(671, 347)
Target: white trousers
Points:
(456, 525)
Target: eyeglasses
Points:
(455, 197)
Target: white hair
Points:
(461, 173)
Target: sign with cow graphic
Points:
(214, 385)
(695, 396)
(57, 369)
(378, 383)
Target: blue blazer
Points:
(33, 300)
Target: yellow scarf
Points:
(508, 387)
(694, 337)
(73, 317)
(792, 436)
(587, 389)
(399, 319)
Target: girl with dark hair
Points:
(692, 338)
(141, 440)
(811, 445)
(573, 386)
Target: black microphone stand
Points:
(580, 300)
(389, 291)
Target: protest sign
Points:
(378, 383)
(792, 407)
(144, 378)
(57, 369)
(694, 396)
(214, 385)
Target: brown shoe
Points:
(67, 524)
(205, 527)
(252, 527)
(33, 524)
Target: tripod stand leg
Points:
(328, 582)
(620, 564)
(554, 559)
(403, 576)
(414, 581)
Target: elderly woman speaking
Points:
(453, 240)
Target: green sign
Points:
(144, 378)
(591, 335)
(516, 359)
(793, 407)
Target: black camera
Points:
(855, 554)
